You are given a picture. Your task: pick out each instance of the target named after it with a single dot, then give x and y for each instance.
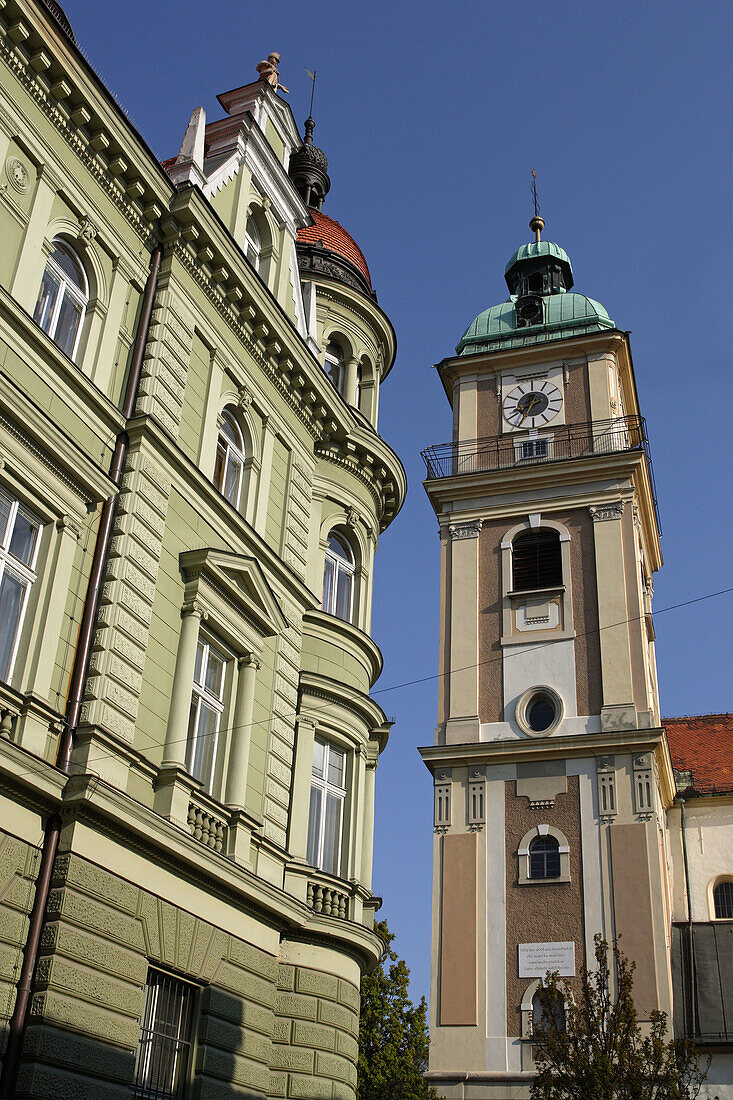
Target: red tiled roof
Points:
(703, 745)
(335, 238)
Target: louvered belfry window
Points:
(536, 560)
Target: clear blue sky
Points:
(431, 116)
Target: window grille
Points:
(164, 1050)
(723, 899)
(536, 560)
(326, 814)
(607, 792)
(442, 804)
(476, 798)
(19, 541)
(544, 857)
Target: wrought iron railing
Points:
(554, 444)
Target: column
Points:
(300, 800)
(367, 854)
(463, 717)
(236, 784)
(350, 383)
(618, 711)
(176, 736)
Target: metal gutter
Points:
(17, 1026)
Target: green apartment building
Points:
(192, 488)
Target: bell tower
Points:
(549, 765)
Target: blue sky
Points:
(432, 117)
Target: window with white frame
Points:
(252, 243)
(166, 1034)
(723, 900)
(19, 539)
(334, 365)
(230, 459)
(338, 578)
(63, 298)
(544, 857)
(207, 707)
(326, 817)
(533, 448)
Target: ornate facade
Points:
(192, 489)
(559, 797)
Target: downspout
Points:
(691, 1014)
(11, 1060)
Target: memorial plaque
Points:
(535, 959)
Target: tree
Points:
(393, 1034)
(595, 1046)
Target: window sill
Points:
(561, 881)
(553, 590)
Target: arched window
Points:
(549, 1016)
(230, 459)
(338, 578)
(723, 900)
(63, 298)
(544, 857)
(536, 560)
(252, 243)
(334, 365)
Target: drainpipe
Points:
(11, 1061)
(690, 950)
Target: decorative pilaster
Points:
(241, 733)
(176, 736)
(302, 771)
(463, 717)
(367, 855)
(351, 380)
(618, 711)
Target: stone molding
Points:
(602, 512)
(465, 530)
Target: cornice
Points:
(346, 636)
(315, 686)
(57, 78)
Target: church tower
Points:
(551, 771)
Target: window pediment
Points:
(236, 582)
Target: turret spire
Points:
(536, 223)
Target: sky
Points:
(432, 116)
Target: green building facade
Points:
(192, 489)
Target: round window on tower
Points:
(539, 711)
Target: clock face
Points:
(532, 404)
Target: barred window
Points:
(536, 560)
(544, 857)
(166, 1034)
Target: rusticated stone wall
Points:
(18, 872)
(316, 1033)
(265, 1029)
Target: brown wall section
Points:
(632, 907)
(491, 689)
(577, 394)
(577, 401)
(488, 410)
(458, 966)
(541, 913)
(579, 523)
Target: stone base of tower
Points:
(481, 1086)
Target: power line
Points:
(427, 679)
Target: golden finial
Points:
(536, 222)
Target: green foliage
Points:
(597, 1048)
(393, 1035)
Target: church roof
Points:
(538, 248)
(332, 236)
(564, 315)
(702, 744)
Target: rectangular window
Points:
(19, 539)
(166, 1033)
(326, 818)
(207, 707)
(533, 448)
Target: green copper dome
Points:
(538, 248)
(564, 315)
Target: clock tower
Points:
(550, 769)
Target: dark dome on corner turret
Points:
(59, 15)
(308, 169)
